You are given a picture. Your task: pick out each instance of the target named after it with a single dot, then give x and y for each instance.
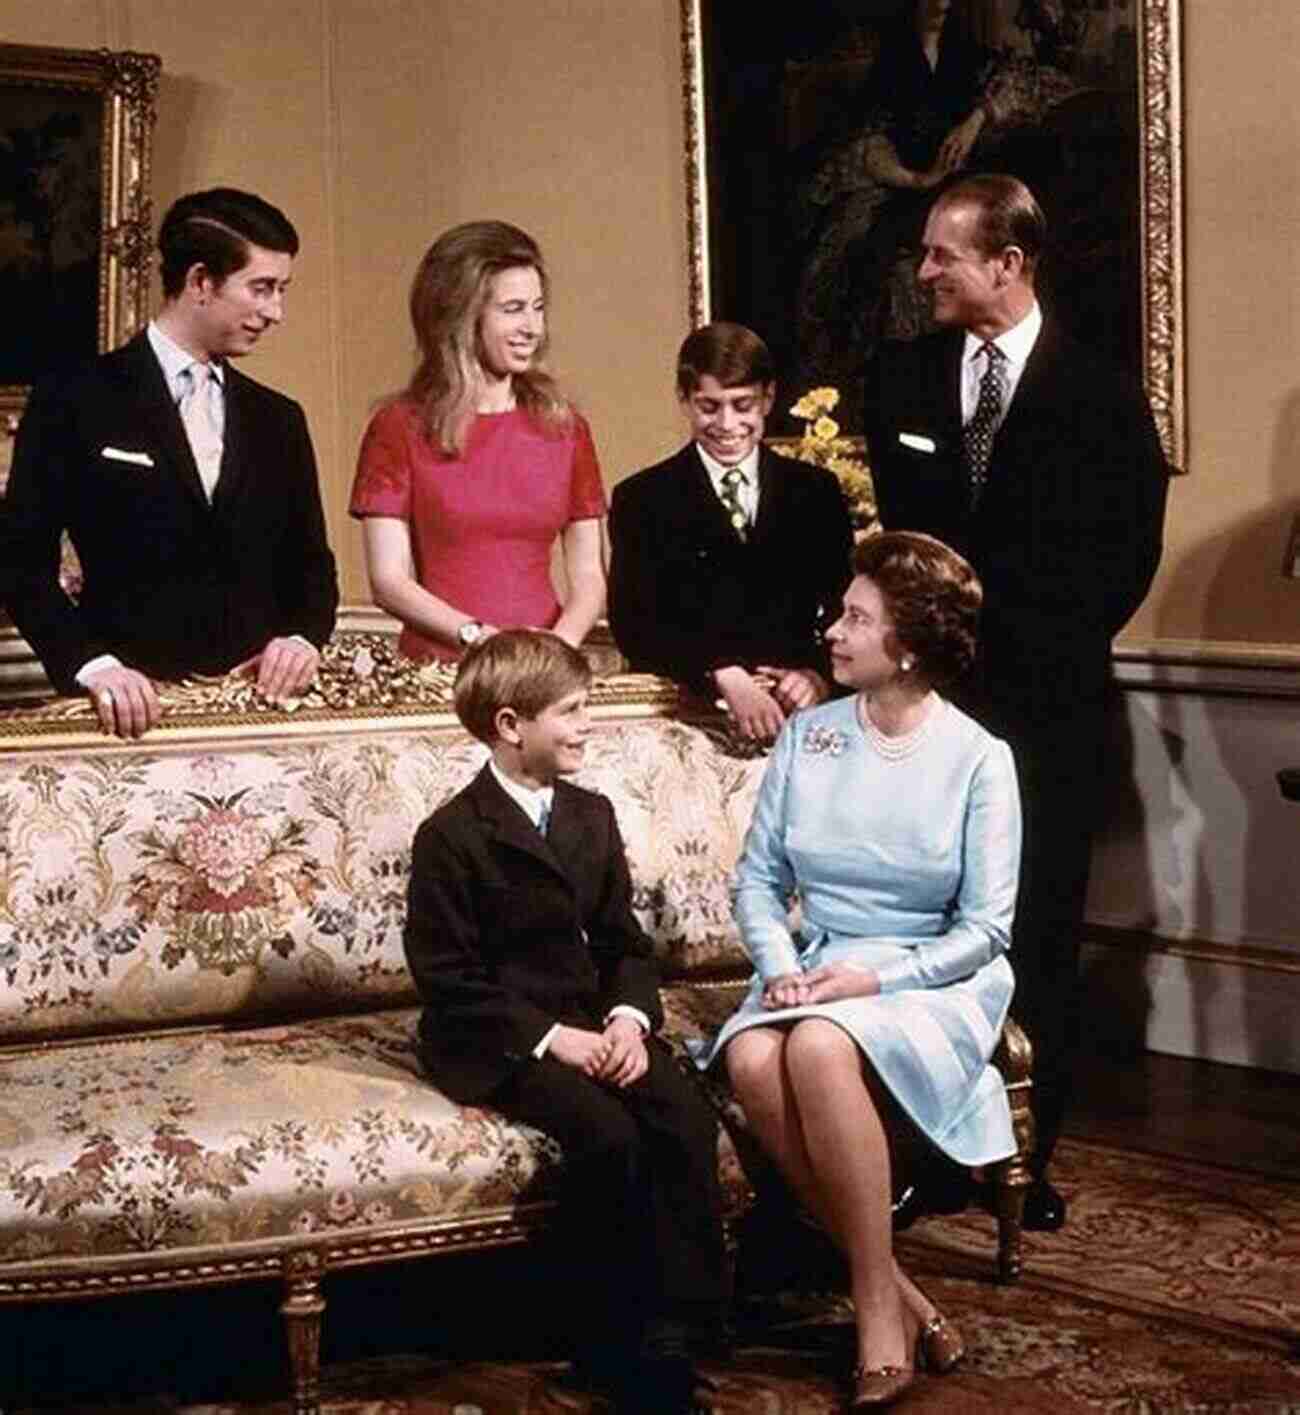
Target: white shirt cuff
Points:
(624, 1009)
(96, 665)
(543, 1046)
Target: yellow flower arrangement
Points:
(823, 445)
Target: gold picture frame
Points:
(76, 136)
(707, 27)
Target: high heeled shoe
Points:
(874, 1387)
(940, 1344)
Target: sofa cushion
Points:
(154, 1144)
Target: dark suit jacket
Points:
(1067, 534)
(172, 585)
(686, 595)
(508, 932)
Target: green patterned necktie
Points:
(732, 480)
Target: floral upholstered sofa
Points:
(206, 1063)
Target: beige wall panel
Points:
(568, 121)
(389, 174)
(377, 123)
(1230, 519)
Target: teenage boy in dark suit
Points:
(727, 559)
(541, 1001)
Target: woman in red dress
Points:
(466, 478)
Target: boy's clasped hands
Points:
(617, 1055)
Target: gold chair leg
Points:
(1010, 1184)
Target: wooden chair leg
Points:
(302, 1308)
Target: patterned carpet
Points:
(1174, 1290)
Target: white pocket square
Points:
(116, 454)
(916, 441)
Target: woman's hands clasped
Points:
(830, 982)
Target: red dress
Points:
(482, 525)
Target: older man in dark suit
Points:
(188, 490)
(728, 558)
(1041, 463)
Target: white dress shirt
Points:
(1016, 344)
(747, 492)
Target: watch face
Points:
(469, 634)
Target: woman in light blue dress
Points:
(895, 820)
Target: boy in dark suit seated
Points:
(728, 558)
(541, 1001)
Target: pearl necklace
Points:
(896, 748)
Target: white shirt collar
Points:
(716, 470)
(175, 360)
(748, 489)
(531, 802)
(1016, 343)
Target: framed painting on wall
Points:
(76, 130)
(814, 137)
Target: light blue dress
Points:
(908, 867)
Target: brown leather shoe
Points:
(941, 1344)
(874, 1387)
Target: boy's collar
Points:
(531, 800)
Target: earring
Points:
(906, 665)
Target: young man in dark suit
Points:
(727, 558)
(541, 1001)
(1040, 462)
(188, 490)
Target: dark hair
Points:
(524, 669)
(731, 353)
(1009, 214)
(449, 293)
(932, 595)
(214, 229)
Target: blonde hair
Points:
(449, 293)
(523, 669)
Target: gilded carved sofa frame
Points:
(365, 698)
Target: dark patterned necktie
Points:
(977, 436)
(732, 480)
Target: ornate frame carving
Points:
(1161, 203)
(127, 86)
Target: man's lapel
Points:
(570, 834)
(510, 826)
(946, 395)
(233, 436)
(161, 425)
(1035, 390)
(701, 505)
(773, 493)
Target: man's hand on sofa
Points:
(757, 712)
(125, 701)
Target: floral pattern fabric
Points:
(263, 887)
(144, 889)
(219, 1138)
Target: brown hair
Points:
(449, 293)
(524, 669)
(1009, 214)
(731, 353)
(932, 595)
